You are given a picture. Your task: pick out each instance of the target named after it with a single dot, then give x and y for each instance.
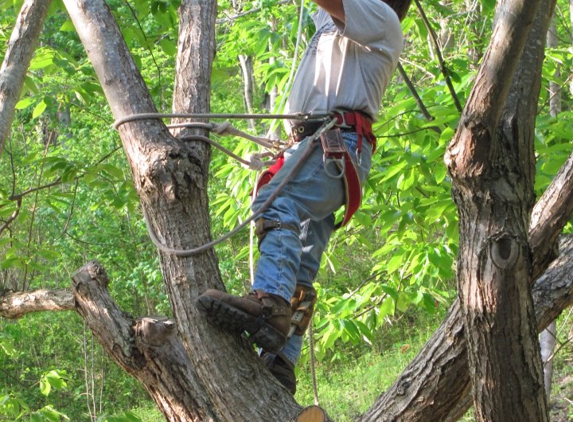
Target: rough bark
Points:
(148, 348)
(434, 395)
(20, 50)
(170, 176)
(492, 165)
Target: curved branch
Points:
(148, 348)
(552, 211)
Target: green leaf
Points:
(125, 417)
(12, 262)
(68, 26)
(25, 102)
(44, 57)
(45, 387)
(168, 46)
(488, 5)
(52, 379)
(39, 109)
(387, 308)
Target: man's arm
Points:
(333, 7)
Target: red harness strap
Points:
(353, 189)
(269, 173)
(361, 124)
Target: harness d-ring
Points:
(338, 162)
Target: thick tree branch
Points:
(148, 348)
(17, 60)
(469, 152)
(550, 214)
(15, 305)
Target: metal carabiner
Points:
(338, 162)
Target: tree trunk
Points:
(246, 63)
(17, 60)
(224, 380)
(491, 162)
(426, 392)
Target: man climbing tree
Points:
(344, 73)
(199, 373)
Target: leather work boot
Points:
(282, 369)
(264, 316)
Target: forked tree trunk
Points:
(225, 382)
(201, 374)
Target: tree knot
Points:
(504, 251)
(155, 331)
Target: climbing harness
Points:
(335, 152)
(320, 125)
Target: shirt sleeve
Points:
(369, 22)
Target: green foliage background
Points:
(66, 194)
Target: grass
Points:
(348, 386)
(348, 383)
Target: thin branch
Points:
(402, 134)
(443, 68)
(12, 217)
(414, 92)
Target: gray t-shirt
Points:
(348, 65)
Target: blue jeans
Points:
(289, 257)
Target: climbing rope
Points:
(225, 128)
(190, 252)
(147, 116)
(313, 362)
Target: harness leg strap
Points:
(262, 226)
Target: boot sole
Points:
(236, 321)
